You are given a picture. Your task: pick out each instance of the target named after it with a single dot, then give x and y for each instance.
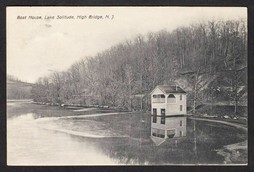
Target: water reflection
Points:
(167, 128)
(28, 143)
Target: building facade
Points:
(168, 108)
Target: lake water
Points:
(30, 141)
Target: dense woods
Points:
(208, 60)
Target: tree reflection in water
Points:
(198, 147)
(130, 151)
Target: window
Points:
(170, 133)
(181, 97)
(171, 98)
(181, 134)
(160, 98)
(155, 99)
(154, 111)
(181, 107)
(154, 115)
(181, 123)
(163, 114)
(158, 133)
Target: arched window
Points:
(171, 133)
(171, 98)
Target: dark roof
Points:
(171, 89)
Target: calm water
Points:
(30, 143)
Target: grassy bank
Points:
(223, 113)
(222, 110)
(16, 108)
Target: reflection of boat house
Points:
(168, 108)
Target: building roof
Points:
(171, 89)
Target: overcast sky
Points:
(36, 47)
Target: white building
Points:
(168, 108)
(168, 100)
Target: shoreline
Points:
(230, 152)
(220, 121)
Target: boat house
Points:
(168, 108)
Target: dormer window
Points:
(171, 98)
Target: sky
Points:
(37, 47)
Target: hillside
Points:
(208, 60)
(17, 89)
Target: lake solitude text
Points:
(66, 17)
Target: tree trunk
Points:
(194, 101)
(195, 91)
(130, 99)
(236, 91)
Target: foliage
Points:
(195, 57)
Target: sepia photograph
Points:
(126, 86)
